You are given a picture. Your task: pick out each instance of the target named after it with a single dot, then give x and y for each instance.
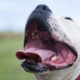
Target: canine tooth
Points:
(33, 34)
(37, 37)
(54, 58)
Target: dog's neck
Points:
(65, 74)
(50, 76)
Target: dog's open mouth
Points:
(42, 52)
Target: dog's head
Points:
(46, 46)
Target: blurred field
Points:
(10, 66)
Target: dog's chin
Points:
(41, 68)
(34, 67)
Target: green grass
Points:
(9, 65)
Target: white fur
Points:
(73, 32)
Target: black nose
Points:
(43, 7)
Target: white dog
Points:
(50, 49)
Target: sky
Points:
(14, 13)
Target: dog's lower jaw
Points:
(65, 74)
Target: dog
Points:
(49, 52)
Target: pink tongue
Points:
(33, 52)
(35, 48)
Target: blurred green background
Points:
(10, 68)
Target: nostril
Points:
(43, 7)
(46, 8)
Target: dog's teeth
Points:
(33, 34)
(54, 58)
(37, 37)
